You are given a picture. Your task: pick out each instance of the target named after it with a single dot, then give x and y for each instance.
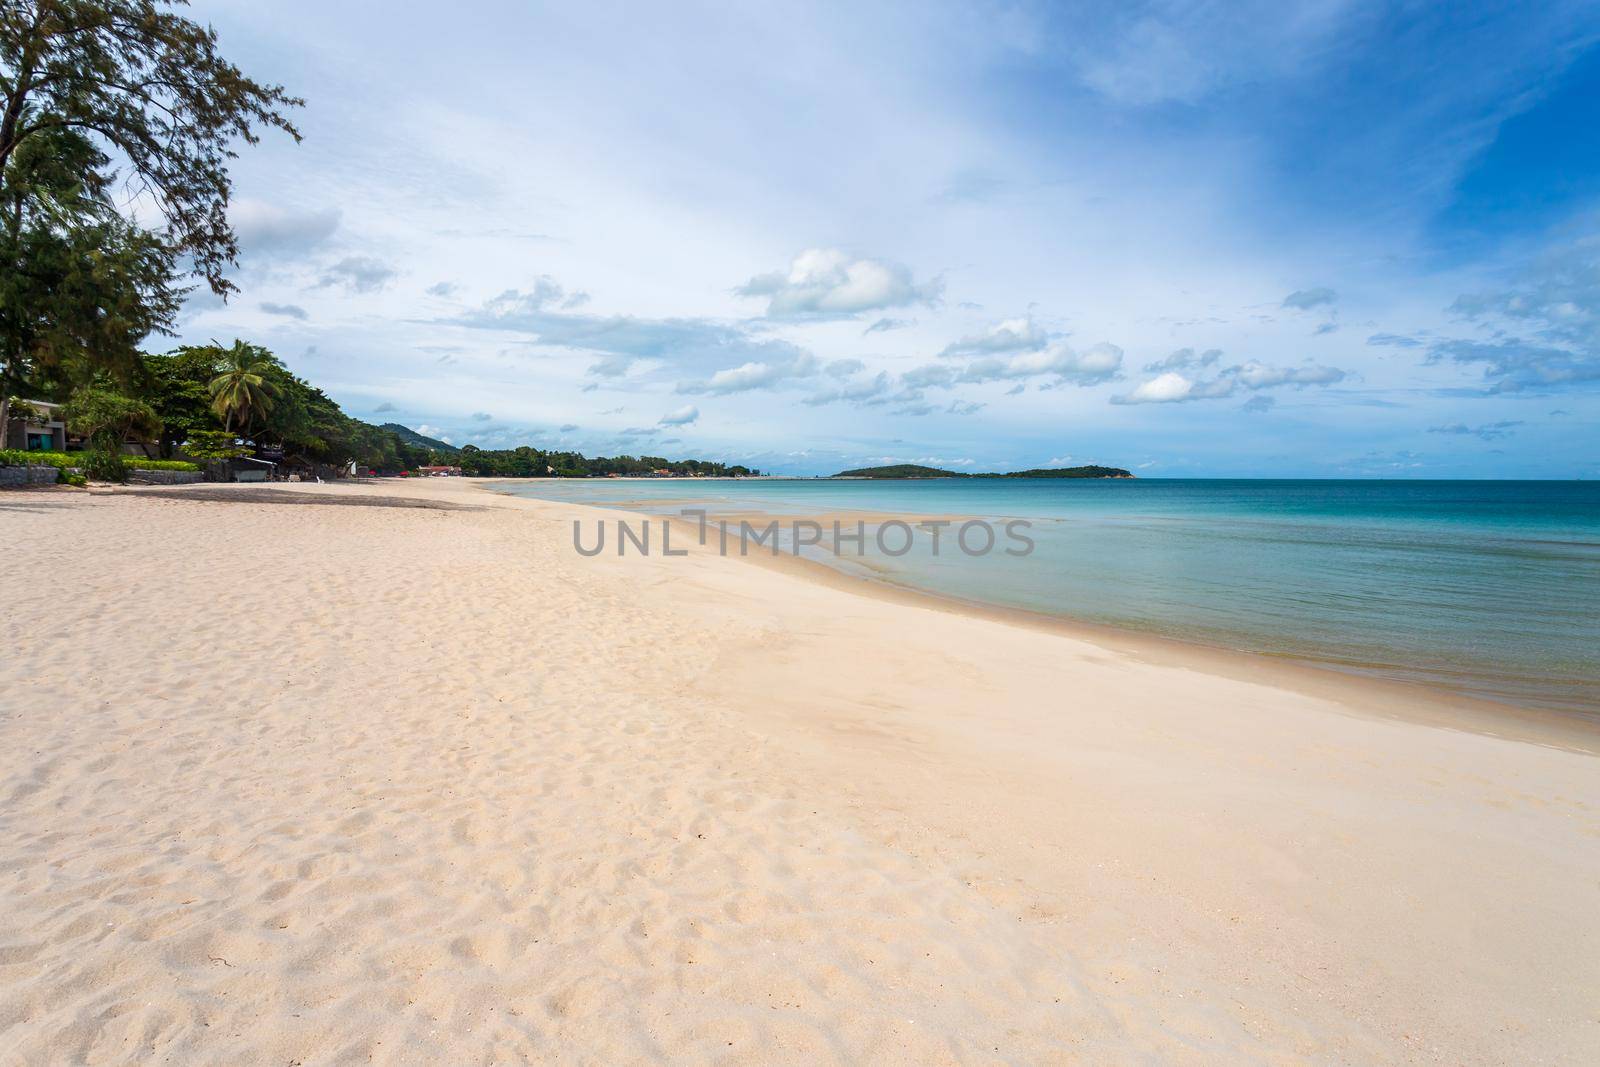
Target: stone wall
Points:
(17, 477)
(163, 477)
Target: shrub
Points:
(105, 466)
(138, 464)
(66, 477)
(17, 458)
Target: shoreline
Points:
(1415, 701)
(456, 793)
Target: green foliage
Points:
(526, 462)
(417, 440)
(16, 457)
(80, 286)
(898, 470)
(214, 445)
(71, 478)
(21, 409)
(245, 391)
(102, 101)
(177, 385)
(149, 85)
(105, 466)
(267, 403)
(139, 463)
(107, 418)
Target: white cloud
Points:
(1162, 389)
(1012, 335)
(868, 389)
(1091, 366)
(683, 416)
(825, 282)
(434, 431)
(1183, 359)
(1172, 387)
(1255, 375)
(756, 374)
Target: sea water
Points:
(1490, 588)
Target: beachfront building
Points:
(44, 433)
(440, 471)
(251, 469)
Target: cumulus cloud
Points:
(1306, 299)
(755, 374)
(288, 311)
(1512, 365)
(385, 406)
(1254, 375)
(1545, 332)
(1184, 359)
(931, 375)
(433, 431)
(567, 427)
(1492, 431)
(481, 416)
(1064, 364)
(856, 392)
(273, 230)
(829, 283)
(683, 416)
(1012, 335)
(1175, 386)
(1258, 403)
(357, 274)
(442, 289)
(1167, 388)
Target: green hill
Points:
(899, 470)
(417, 440)
(1071, 472)
(912, 470)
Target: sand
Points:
(285, 784)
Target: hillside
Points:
(1069, 472)
(417, 440)
(912, 470)
(899, 470)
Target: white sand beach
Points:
(287, 783)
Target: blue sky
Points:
(1326, 239)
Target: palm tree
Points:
(242, 391)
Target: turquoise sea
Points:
(1485, 587)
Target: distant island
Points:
(913, 470)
